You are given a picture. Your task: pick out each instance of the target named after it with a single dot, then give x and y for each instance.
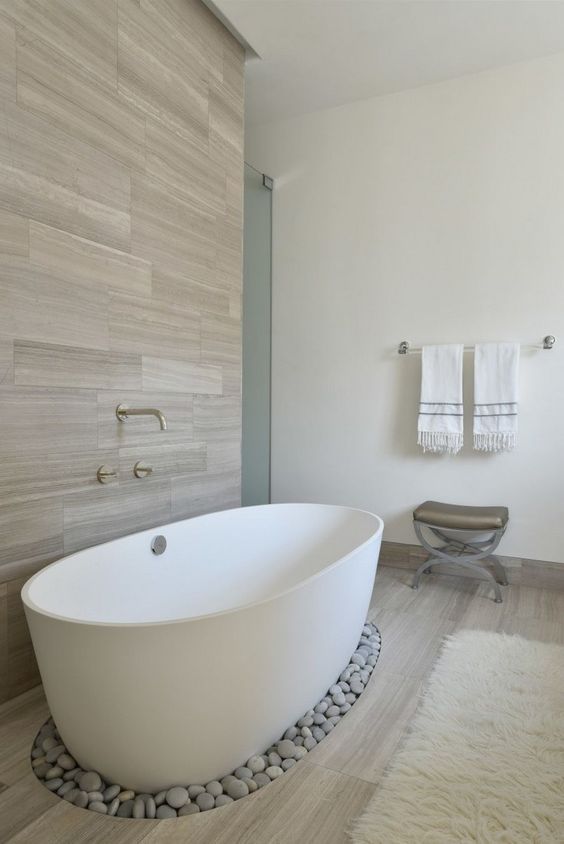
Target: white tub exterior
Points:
(174, 669)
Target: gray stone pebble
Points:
(91, 781)
(215, 788)
(205, 801)
(176, 797)
(57, 769)
(189, 809)
(165, 811)
(238, 788)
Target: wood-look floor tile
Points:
(6, 361)
(112, 511)
(413, 641)
(70, 97)
(14, 234)
(149, 327)
(3, 645)
(279, 814)
(20, 720)
(364, 742)
(49, 365)
(144, 430)
(181, 376)
(22, 670)
(7, 60)
(20, 805)
(88, 263)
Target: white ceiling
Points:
(315, 54)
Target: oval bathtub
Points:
(177, 668)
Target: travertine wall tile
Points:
(121, 173)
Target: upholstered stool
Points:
(469, 534)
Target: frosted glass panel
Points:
(256, 340)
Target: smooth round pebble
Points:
(114, 805)
(95, 796)
(334, 689)
(274, 771)
(71, 775)
(300, 753)
(72, 792)
(42, 770)
(320, 708)
(215, 788)
(205, 802)
(53, 785)
(339, 698)
(91, 781)
(345, 708)
(39, 760)
(350, 697)
(318, 733)
(306, 722)
(261, 779)
(299, 740)
(111, 791)
(306, 732)
(238, 788)
(333, 710)
(286, 748)
(52, 755)
(138, 810)
(222, 800)
(177, 796)
(66, 787)
(126, 808)
(327, 727)
(160, 797)
(309, 743)
(275, 758)
(251, 785)
(358, 659)
(66, 762)
(150, 807)
(188, 809)
(287, 764)
(291, 733)
(256, 763)
(193, 791)
(49, 743)
(165, 811)
(318, 719)
(102, 809)
(54, 773)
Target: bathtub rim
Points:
(33, 607)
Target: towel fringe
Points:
(440, 442)
(495, 441)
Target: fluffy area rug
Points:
(484, 758)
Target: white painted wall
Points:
(434, 215)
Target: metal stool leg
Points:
(500, 572)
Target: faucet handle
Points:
(140, 470)
(105, 474)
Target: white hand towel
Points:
(439, 425)
(496, 373)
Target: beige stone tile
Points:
(186, 169)
(175, 235)
(160, 81)
(14, 234)
(71, 97)
(6, 361)
(39, 420)
(217, 418)
(144, 430)
(48, 365)
(542, 574)
(221, 340)
(22, 670)
(225, 126)
(179, 289)
(181, 376)
(112, 511)
(32, 534)
(85, 33)
(41, 307)
(82, 261)
(28, 476)
(205, 492)
(150, 327)
(165, 460)
(21, 804)
(412, 641)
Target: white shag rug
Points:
(484, 759)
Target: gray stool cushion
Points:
(461, 517)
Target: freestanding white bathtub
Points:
(175, 669)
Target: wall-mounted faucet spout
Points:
(123, 413)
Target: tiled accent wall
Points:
(121, 167)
